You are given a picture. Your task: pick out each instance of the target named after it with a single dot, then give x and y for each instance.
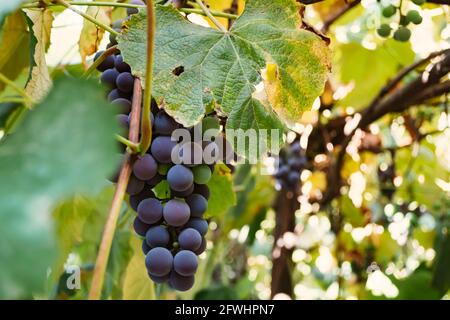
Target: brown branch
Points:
(338, 14)
(114, 211)
(285, 206)
(426, 86)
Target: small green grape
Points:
(384, 30)
(404, 21)
(402, 34)
(419, 2)
(414, 16)
(389, 11)
(202, 174)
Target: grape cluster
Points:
(172, 224)
(386, 177)
(402, 32)
(291, 161)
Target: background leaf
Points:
(65, 145)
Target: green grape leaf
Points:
(351, 61)
(196, 66)
(417, 286)
(65, 145)
(222, 195)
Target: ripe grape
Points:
(150, 210)
(135, 185)
(122, 119)
(183, 194)
(155, 180)
(189, 239)
(164, 124)
(108, 63)
(146, 193)
(161, 149)
(198, 224)
(198, 205)
(109, 77)
(123, 105)
(185, 263)
(125, 82)
(180, 178)
(202, 189)
(131, 11)
(140, 227)
(180, 283)
(176, 212)
(145, 167)
(202, 247)
(162, 279)
(145, 247)
(159, 261)
(120, 65)
(157, 236)
(202, 174)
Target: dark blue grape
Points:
(121, 65)
(161, 149)
(156, 279)
(182, 194)
(180, 178)
(145, 247)
(159, 261)
(185, 263)
(135, 185)
(198, 205)
(131, 11)
(155, 180)
(282, 172)
(122, 119)
(157, 237)
(140, 227)
(198, 224)
(106, 64)
(189, 239)
(137, 198)
(180, 283)
(202, 189)
(116, 94)
(202, 247)
(176, 212)
(191, 153)
(293, 178)
(145, 167)
(108, 78)
(297, 163)
(123, 105)
(150, 210)
(125, 82)
(164, 124)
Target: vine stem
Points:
(134, 147)
(210, 16)
(88, 17)
(110, 51)
(146, 131)
(114, 211)
(15, 87)
(129, 5)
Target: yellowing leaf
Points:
(40, 81)
(137, 285)
(91, 35)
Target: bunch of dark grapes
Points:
(172, 226)
(386, 177)
(290, 163)
(402, 32)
